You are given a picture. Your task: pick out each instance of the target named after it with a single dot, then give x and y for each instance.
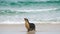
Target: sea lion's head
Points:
(25, 19)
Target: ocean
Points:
(14, 12)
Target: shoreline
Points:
(39, 27)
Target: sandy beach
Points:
(20, 29)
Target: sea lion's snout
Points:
(25, 19)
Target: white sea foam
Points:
(14, 22)
(32, 10)
(11, 22)
(28, 9)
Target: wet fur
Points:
(29, 26)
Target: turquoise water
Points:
(16, 11)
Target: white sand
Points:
(39, 27)
(20, 28)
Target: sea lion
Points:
(28, 25)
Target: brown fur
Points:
(29, 26)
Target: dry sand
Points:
(20, 29)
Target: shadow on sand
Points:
(31, 32)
